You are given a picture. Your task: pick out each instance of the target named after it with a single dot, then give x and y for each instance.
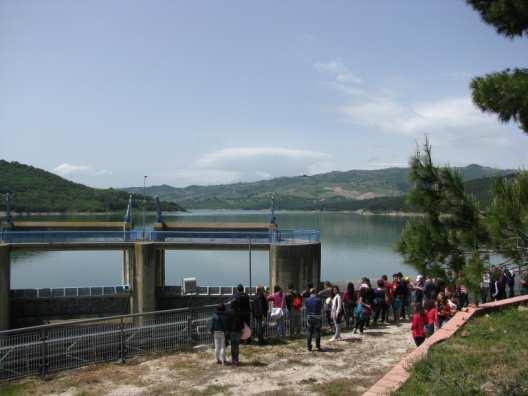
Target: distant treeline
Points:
(36, 190)
(479, 188)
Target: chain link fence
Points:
(42, 350)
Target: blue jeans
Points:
(313, 328)
(259, 330)
(235, 345)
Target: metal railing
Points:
(41, 350)
(88, 291)
(225, 237)
(96, 291)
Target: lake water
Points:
(352, 246)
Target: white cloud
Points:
(454, 119)
(341, 74)
(235, 154)
(451, 118)
(240, 164)
(66, 169)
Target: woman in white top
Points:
(336, 312)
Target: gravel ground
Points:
(344, 367)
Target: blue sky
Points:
(203, 92)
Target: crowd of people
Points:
(426, 301)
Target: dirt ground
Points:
(344, 367)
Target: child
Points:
(432, 317)
(419, 320)
(218, 329)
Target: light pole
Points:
(250, 275)
(144, 204)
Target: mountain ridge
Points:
(37, 190)
(315, 192)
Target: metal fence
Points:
(234, 237)
(46, 349)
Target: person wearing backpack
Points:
(379, 302)
(362, 311)
(243, 302)
(218, 330)
(235, 325)
(296, 306)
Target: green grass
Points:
(488, 357)
(8, 389)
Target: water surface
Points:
(352, 246)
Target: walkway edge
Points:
(399, 374)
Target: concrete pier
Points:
(295, 264)
(144, 276)
(128, 263)
(5, 286)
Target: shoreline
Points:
(360, 212)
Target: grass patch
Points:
(490, 356)
(212, 390)
(340, 387)
(8, 389)
(257, 363)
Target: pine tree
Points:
(504, 93)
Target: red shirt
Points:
(418, 324)
(432, 316)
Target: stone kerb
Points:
(400, 373)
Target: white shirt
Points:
(337, 305)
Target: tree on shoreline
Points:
(455, 235)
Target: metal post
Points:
(189, 327)
(43, 353)
(122, 351)
(250, 272)
(144, 205)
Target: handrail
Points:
(55, 236)
(101, 319)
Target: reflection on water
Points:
(352, 246)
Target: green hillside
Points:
(376, 190)
(36, 190)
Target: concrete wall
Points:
(32, 312)
(147, 274)
(5, 285)
(295, 264)
(167, 301)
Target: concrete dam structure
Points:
(294, 258)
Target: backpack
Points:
(297, 302)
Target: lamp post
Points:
(144, 205)
(250, 269)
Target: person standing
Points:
(218, 329)
(349, 301)
(336, 313)
(419, 288)
(485, 287)
(236, 324)
(419, 320)
(260, 313)
(509, 277)
(244, 305)
(278, 300)
(313, 306)
(524, 282)
(379, 301)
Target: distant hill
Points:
(376, 190)
(36, 190)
